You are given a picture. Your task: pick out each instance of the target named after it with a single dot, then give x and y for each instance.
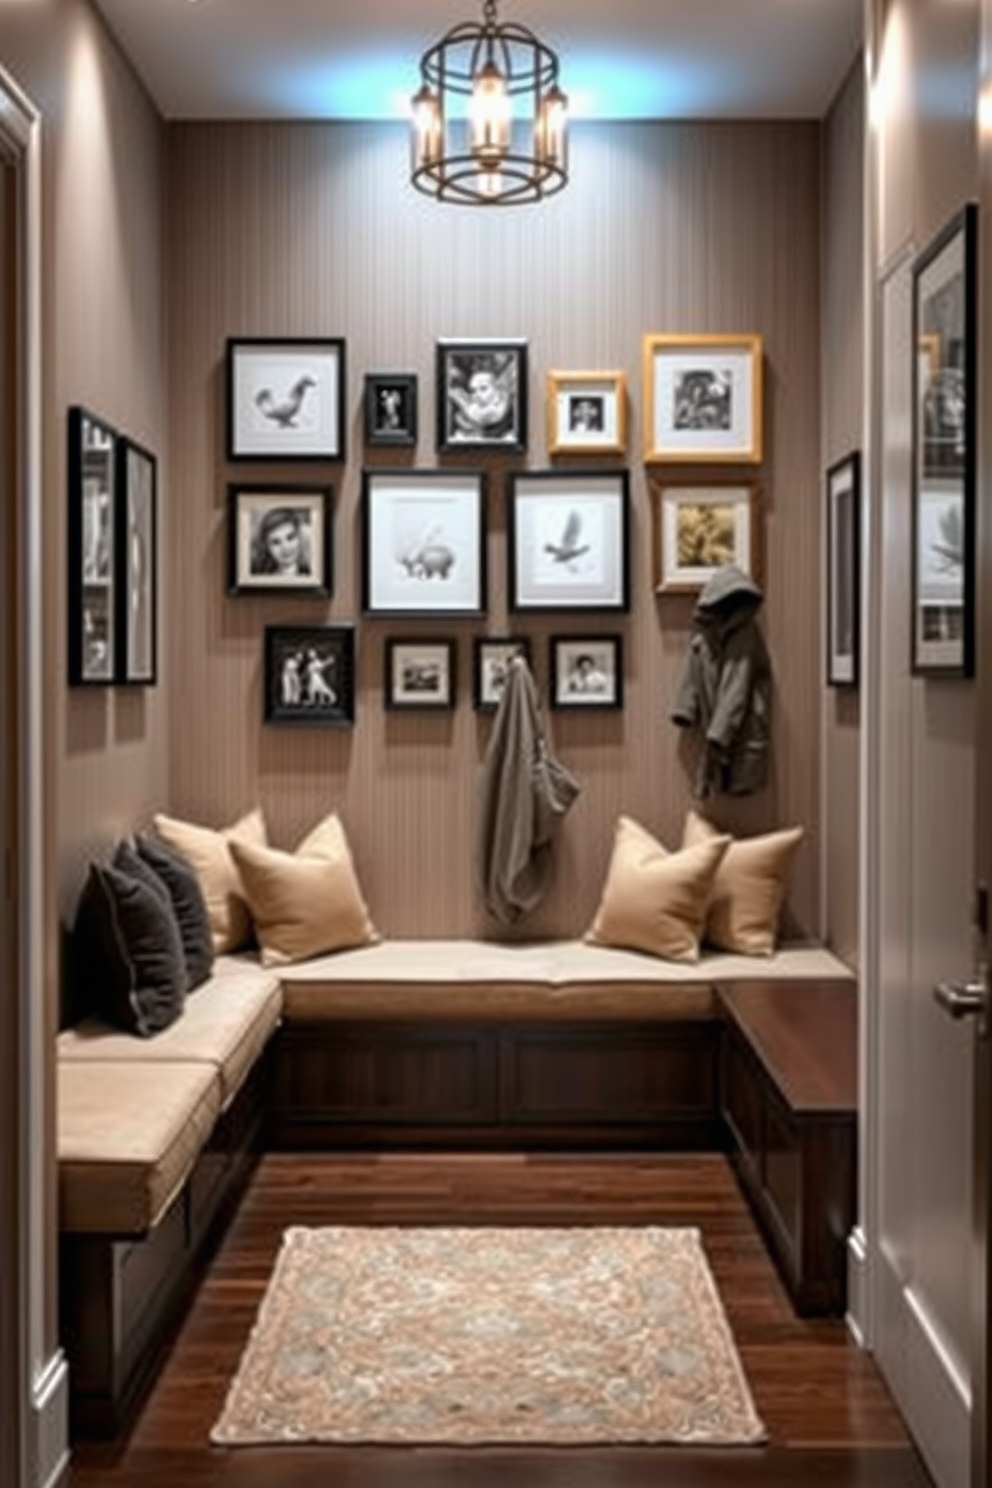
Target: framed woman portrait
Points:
(482, 395)
(279, 539)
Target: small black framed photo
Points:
(137, 565)
(286, 399)
(491, 656)
(420, 673)
(568, 536)
(482, 395)
(279, 539)
(843, 570)
(586, 671)
(93, 609)
(309, 674)
(424, 543)
(390, 409)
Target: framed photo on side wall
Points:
(944, 370)
(137, 565)
(843, 570)
(286, 399)
(703, 399)
(279, 539)
(94, 510)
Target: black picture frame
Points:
(569, 540)
(482, 395)
(490, 655)
(280, 539)
(93, 609)
(390, 402)
(585, 671)
(420, 673)
(137, 565)
(309, 675)
(423, 543)
(843, 629)
(286, 398)
(944, 451)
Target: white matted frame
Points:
(703, 399)
(698, 529)
(420, 673)
(280, 539)
(286, 399)
(587, 413)
(568, 539)
(424, 543)
(586, 671)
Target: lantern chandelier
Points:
(505, 146)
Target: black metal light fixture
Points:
(506, 145)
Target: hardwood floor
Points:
(829, 1418)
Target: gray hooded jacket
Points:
(725, 688)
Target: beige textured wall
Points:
(304, 230)
(102, 346)
(843, 431)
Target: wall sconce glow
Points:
(489, 116)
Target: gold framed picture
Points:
(701, 528)
(703, 399)
(587, 413)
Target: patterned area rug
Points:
(472, 1336)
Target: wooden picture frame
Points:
(93, 610)
(424, 543)
(587, 413)
(944, 451)
(843, 497)
(703, 399)
(420, 673)
(286, 399)
(309, 674)
(698, 528)
(280, 539)
(481, 389)
(568, 534)
(586, 671)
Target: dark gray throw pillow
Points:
(181, 880)
(130, 951)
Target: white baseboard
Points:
(48, 1442)
(857, 1287)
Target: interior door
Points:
(921, 802)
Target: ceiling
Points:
(357, 59)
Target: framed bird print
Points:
(569, 540)
(286, 400)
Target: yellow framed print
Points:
(702, 399)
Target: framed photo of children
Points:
(490, 659)
(309, 674)
(137, 565)
(424, 543)
(568, 536)
(843, 570)
(944, 369)
(587, 413)
(279, 539)
(586, 671)
(700, 528)
(286, 399)
(420, 673)
(703, 399)
(482, 395)
(390, 409)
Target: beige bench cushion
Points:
(128, 1135)
(225, 1023)
(487, 981)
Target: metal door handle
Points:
(962, 999)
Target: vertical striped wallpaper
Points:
(311, 230)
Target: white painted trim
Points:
(942, 1411)
(48, 1444)
(857, 1285)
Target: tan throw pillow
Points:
(749, 888)
(308, 902)
(654, 900)
(209, 853)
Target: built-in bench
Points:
(427, 1043)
